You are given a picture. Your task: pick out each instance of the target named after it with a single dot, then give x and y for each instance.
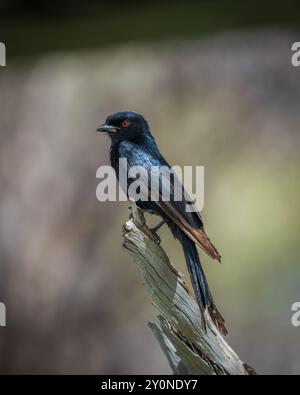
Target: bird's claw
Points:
(156, 237)
(155, 229)
(142, 219)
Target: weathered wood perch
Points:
(180, 333)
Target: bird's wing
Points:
(188, 221)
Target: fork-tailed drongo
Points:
(131, 139)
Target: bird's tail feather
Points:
(199, 283)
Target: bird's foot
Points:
(154, 231)
(142, 219)
(157, 239)
(158, 226)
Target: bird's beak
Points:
(107, 128)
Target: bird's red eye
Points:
(125, 124)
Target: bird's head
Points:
(125, 125)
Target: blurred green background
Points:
(216, 83)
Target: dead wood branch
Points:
(180, 332)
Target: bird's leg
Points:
(143, 222)
(143, 212)
(155, 229)
(130, 213)
(147, 211)
(142, 218)
(158, 226)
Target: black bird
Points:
(131, 139)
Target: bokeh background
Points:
(216, 83)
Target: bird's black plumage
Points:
(131, 139)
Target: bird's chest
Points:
(114, 158)
(119, 162)
(127, 167)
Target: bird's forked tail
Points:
(199, 283)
